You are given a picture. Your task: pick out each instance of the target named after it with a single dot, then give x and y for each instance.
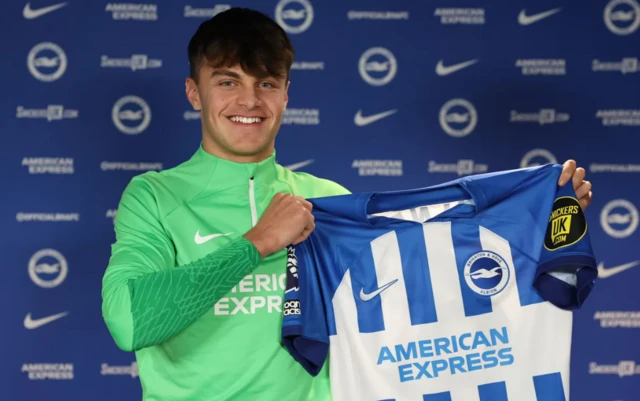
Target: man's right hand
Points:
(287, 220)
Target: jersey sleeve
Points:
(567, 268)
(146, 298)
(304, 325)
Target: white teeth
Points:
(246, 120)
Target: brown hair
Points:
(244, 37)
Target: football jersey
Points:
(461, 291)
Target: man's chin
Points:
(250, 151)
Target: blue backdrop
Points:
(385, 95)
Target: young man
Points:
(195, 282)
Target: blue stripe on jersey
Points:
(445, 396)
(549, 387)
(363, 278)
(415, 269)
(525, 273)
(493, 392)
(466, 243)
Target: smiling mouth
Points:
(246, 120)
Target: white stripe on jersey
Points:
(343, 375)
(520, 387)
(435, 210)
(469, 393)
(395, 305)
(444, 271)
(508, 301)
(506, 306)
(352, 351)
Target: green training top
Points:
(192, 297)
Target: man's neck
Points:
(233, 157)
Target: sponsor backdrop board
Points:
(407, 94)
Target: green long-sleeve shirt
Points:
(192, 297)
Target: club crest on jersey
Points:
(292, 270)
(486, 273)
(567, 224)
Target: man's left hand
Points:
(570, 171)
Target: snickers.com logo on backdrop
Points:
(627, 65)
(120, 370)
(52, 112)
(542, 117)
(621, 369)
(461, 167)
(135, 62)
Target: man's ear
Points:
(191, 90)
(286, 94)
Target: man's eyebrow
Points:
(227, 73)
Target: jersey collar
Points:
(457, 190)
(224, 174)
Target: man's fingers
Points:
(278, 196)
(586, 201)
(279, 200)
(304, 203)
(302, 237)
(568, 168)
(578, 178)
(305, 233)
(583, 189)
(287, 216)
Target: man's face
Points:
(241, 114)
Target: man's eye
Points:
(267, 85)
(226, 83)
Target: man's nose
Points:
(248, 97)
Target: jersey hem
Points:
(310, 353)
(561, 294)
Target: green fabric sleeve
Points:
(164, 303)
(146, 299)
